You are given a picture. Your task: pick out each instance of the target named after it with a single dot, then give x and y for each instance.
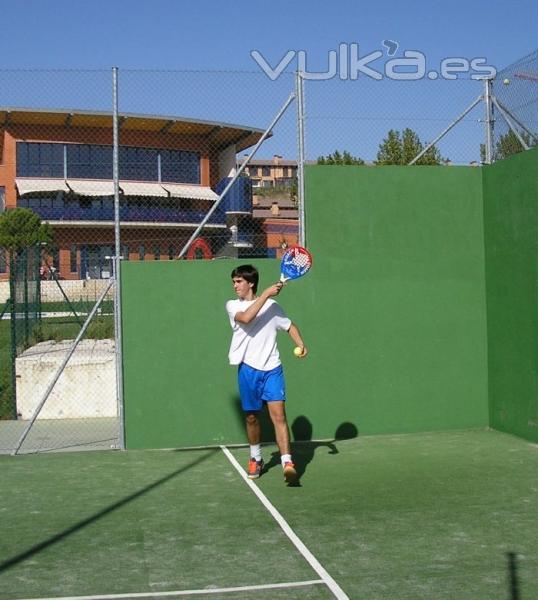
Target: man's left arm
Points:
(295, 335)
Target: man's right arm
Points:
(248, 315)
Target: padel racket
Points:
(295, 263)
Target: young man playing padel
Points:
(255, 321)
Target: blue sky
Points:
(219, 35)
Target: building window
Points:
(2, 199)
(157, 252)
(89, 161)
(94, 161)
(253, 171)
(140, 164)
(266, 171)
(73, 258)
(35, 159)
(3, 261)
(180, 166)
(141, 252)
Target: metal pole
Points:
(508, 119)
(66, 298)
(442, 135)
(517, 121)
(299, 87)
(61, 368)
(488, 121)
(237, 174)
(116, 261)
(13, 332)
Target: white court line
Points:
(246, 588)
(294, 538)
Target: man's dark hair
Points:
(248, 273)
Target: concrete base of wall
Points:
(86, 388)
(75, 289)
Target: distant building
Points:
(274, 201)
(276, 172)
(59, 163)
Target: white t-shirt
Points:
(255, 343)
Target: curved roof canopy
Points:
(217, 133)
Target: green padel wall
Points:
(511, 234)
(393, 313)
(400, 338)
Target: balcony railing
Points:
(151, 214)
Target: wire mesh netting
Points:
(182, 139)
(209, 166)
(515, 112)
(390, 122)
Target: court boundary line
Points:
(293, 537)
(171, 594)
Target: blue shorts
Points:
(257, 387)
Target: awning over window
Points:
(29, 186)
(197, 192)
(90, 187)
(137, 188)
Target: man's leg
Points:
(277, 411)
(253, 428)
(255, 463)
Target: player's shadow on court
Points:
(303, 448)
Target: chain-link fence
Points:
(163, 165)
(23, 321)
(154, 165)
(515, 108)
(390, 122)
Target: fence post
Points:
(299, 90)
(13, 330)
(116, 262)
(489, 123)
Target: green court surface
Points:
(441, 516)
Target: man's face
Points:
(242, 287)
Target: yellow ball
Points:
(298, 351)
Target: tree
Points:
(21, 228)
(401, 148)
(336, 158)
(507, 145)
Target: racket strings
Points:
(296, 262)
(301, 260)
